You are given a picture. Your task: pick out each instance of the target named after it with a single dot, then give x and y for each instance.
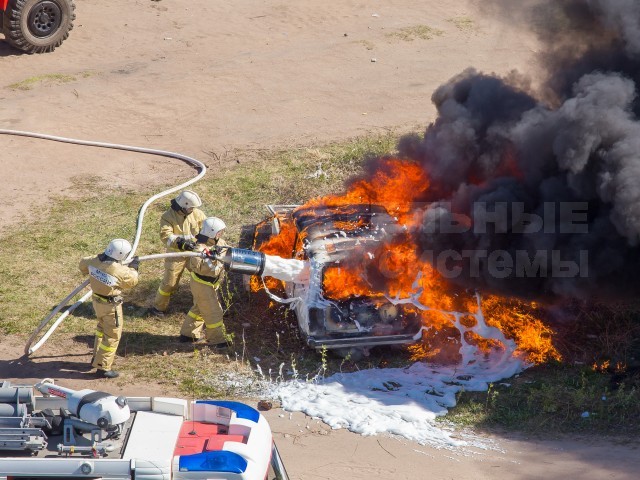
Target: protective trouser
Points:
(173, 269)
(108, 333)
(206, 312)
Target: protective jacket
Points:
(174, 225)
(107, 278)
(206, 312)
(210, 269)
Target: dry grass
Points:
(366, 44)
(464, 24)
(47, 79)
(409, 34)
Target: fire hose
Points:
(234, 259)
(30, 347)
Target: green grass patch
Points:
(47, 79)
(555, 399)
(422, 32)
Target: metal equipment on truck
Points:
(67, 434)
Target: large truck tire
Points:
(38, 26)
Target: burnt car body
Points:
(329, 237)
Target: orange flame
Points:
(349, 226)
(395, 185)
(281, 245)
(341, 284)
(396, 269)
(605, 367)
(520, 321)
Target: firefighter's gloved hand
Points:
(185, 245)
(135, 262)
(209, 253)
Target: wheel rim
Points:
(44, 19)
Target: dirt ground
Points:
(203, 78)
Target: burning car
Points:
(338, 309)
(358, 273)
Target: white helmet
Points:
(188, 199)
(118, 249)
(211, 226)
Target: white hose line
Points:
(155, 256)
(128, 148)
(28, 349)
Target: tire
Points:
(38, 26)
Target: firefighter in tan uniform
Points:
(108, 277)
(178, 227)
(207, 273)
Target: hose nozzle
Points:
(241, 260)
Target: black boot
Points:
(187, 339)
(154, 312)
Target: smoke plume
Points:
(568, 153)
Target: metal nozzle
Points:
(244, 261)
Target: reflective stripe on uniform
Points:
(103, 300)
(107, 349)
(215, 284)
(99, 334)
(103, 277)
(197, 317)
(215, 325)
(163, 293)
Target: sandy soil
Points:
(203, 78)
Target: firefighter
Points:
(108, 277)
(207, 273)
(178, 227)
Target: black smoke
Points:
(574, 141)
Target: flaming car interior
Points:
(343, 307)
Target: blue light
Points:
(219, 461)
(242, 410)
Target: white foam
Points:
(400, 401)
(286, 269)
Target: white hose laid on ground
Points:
(29, 349)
